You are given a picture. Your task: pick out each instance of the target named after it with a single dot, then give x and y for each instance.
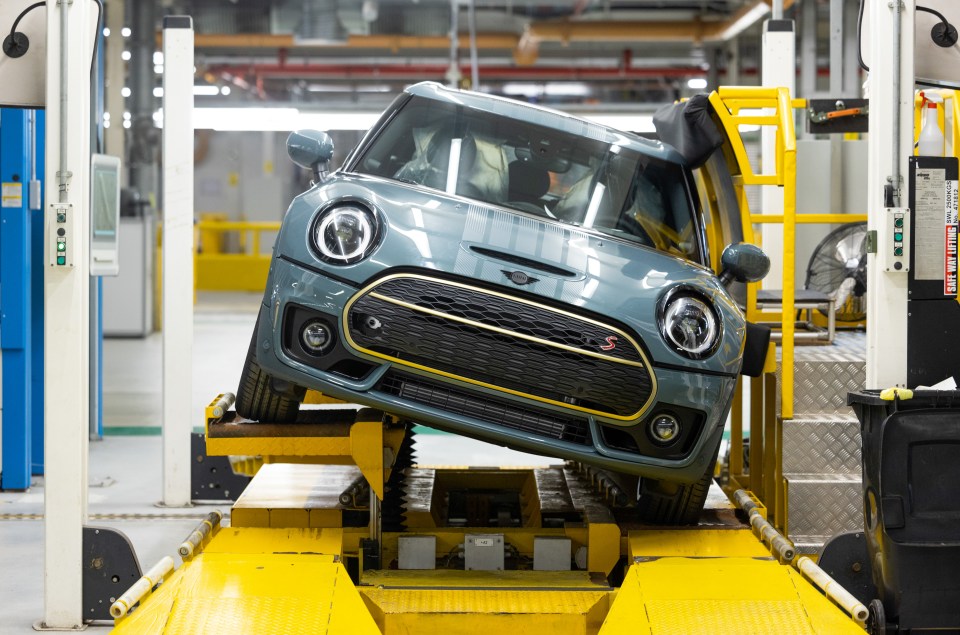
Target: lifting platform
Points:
(314, 545)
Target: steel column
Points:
(779, 70)
(177, 258)
(891, 113)
(67, 311)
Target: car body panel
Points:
(557, 268)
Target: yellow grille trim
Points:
(608, 415)
(497, 329)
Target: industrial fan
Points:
(838, 267)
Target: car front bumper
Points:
(479, 412)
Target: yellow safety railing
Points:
(729, 104)
(216, 269)
(736, 107)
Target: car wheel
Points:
(667, 503)
(257, 397)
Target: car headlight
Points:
(689, 324)
(345, 233)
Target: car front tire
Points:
(257, 396)
(667, 503)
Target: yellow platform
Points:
(273, 573)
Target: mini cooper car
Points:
(513, 274)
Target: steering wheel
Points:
(530, 208)
(627, 223)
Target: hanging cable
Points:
(943, 34)
(16, 44)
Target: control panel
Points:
(62, 239)
(894, 248)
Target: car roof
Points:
(545, 117)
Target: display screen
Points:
(106, 199)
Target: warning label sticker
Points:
(11, 194)
(950, 238)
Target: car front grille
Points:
(500, 412)
(502, 342)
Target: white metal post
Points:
(177, 257)
(779, 68)
(66, 312)
(891, 142)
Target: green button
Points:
(61, 246)
(898, 251)
(898, 236)
(898, 222)
(61, 260)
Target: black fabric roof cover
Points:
(689, 127)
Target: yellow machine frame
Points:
(282, 565)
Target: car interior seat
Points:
(527, 182)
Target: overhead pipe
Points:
(502, 41)
(349, 72)
(567, 31)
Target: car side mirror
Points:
(743, 262)
(310, 149)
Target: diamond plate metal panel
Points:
(821, 387)
(823, 375)
(823, 506)
(848, 346)
(822, 445)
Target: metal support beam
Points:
(836, 47)
(67, 311)
(851, 45)
(115, 135)
(177, 258)
(808, 49)
(142, 160)
(891, 114)
(779, 68)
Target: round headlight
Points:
(345, 234)
(690, 326)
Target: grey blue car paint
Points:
(429, 230)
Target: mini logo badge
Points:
(519, 277)
(610, 345)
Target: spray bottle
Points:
(931, 141)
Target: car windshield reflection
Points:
(537, 170)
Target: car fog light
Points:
(664, 429)
(316, 337)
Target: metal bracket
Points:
(212, 477)
(110, 567)
(846, 559)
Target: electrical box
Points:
(104, 215)
(417, 552)
(933, 314)
(551, 553)
(483, 552)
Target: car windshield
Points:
(538, 170)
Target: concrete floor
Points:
(125, 466)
